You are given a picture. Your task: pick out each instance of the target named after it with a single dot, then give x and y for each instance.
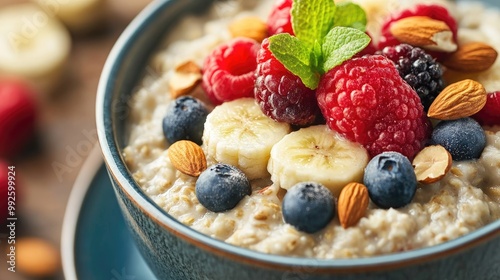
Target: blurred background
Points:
(51, 56)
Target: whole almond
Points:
(250, 27)
(471, 57)
(425, 32)
(432, 163)
(459, 100)
(37, 257)
(352, 204)
(187, 157)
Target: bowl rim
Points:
(122, 178)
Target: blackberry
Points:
(419, 69)
(280, 94)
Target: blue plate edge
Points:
(78, 263)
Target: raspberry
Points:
(367, 101)
(490, 114)
(418, 69)
(17, 117)
(279, 20)
(433, 11)
(229, 71)
(281, 95)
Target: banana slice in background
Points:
(238, 133)
(33, 45)
(317, 154)
(79, 16)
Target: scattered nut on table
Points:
(37, 257)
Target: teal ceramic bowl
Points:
(174, 251)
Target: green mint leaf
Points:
(342, 43)
(316, 56)
(317, 47)
(296, 57)
(350, 15)
(312, 19)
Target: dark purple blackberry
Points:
(280, 94)
(419, 69)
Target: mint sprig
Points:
(297, 56)
(326, 35)
(311, 19)
(342, 44)
(350, 15)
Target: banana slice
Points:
(33, 45)
(317, 154)
(78, 15)
(238, 133)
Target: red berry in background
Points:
(229, 71)
(280, 20)
(280, 94)
(490, 114)
(17, 116)
(429, 10)
(367, 101)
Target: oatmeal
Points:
(464, 200)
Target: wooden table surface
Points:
(65, 121)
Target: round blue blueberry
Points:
(464, 138)
(184, 120)
(308, 206)
(221, 187)
(390, 180)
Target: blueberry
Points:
(221, 187)
(184, 120)
(390, 180)
(308, 206)
(464, 138)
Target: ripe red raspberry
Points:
(367, 101)
(281, 95)
(429, 10)
(17, 117)
(229, 71)
(490, 114)
(279, 20)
